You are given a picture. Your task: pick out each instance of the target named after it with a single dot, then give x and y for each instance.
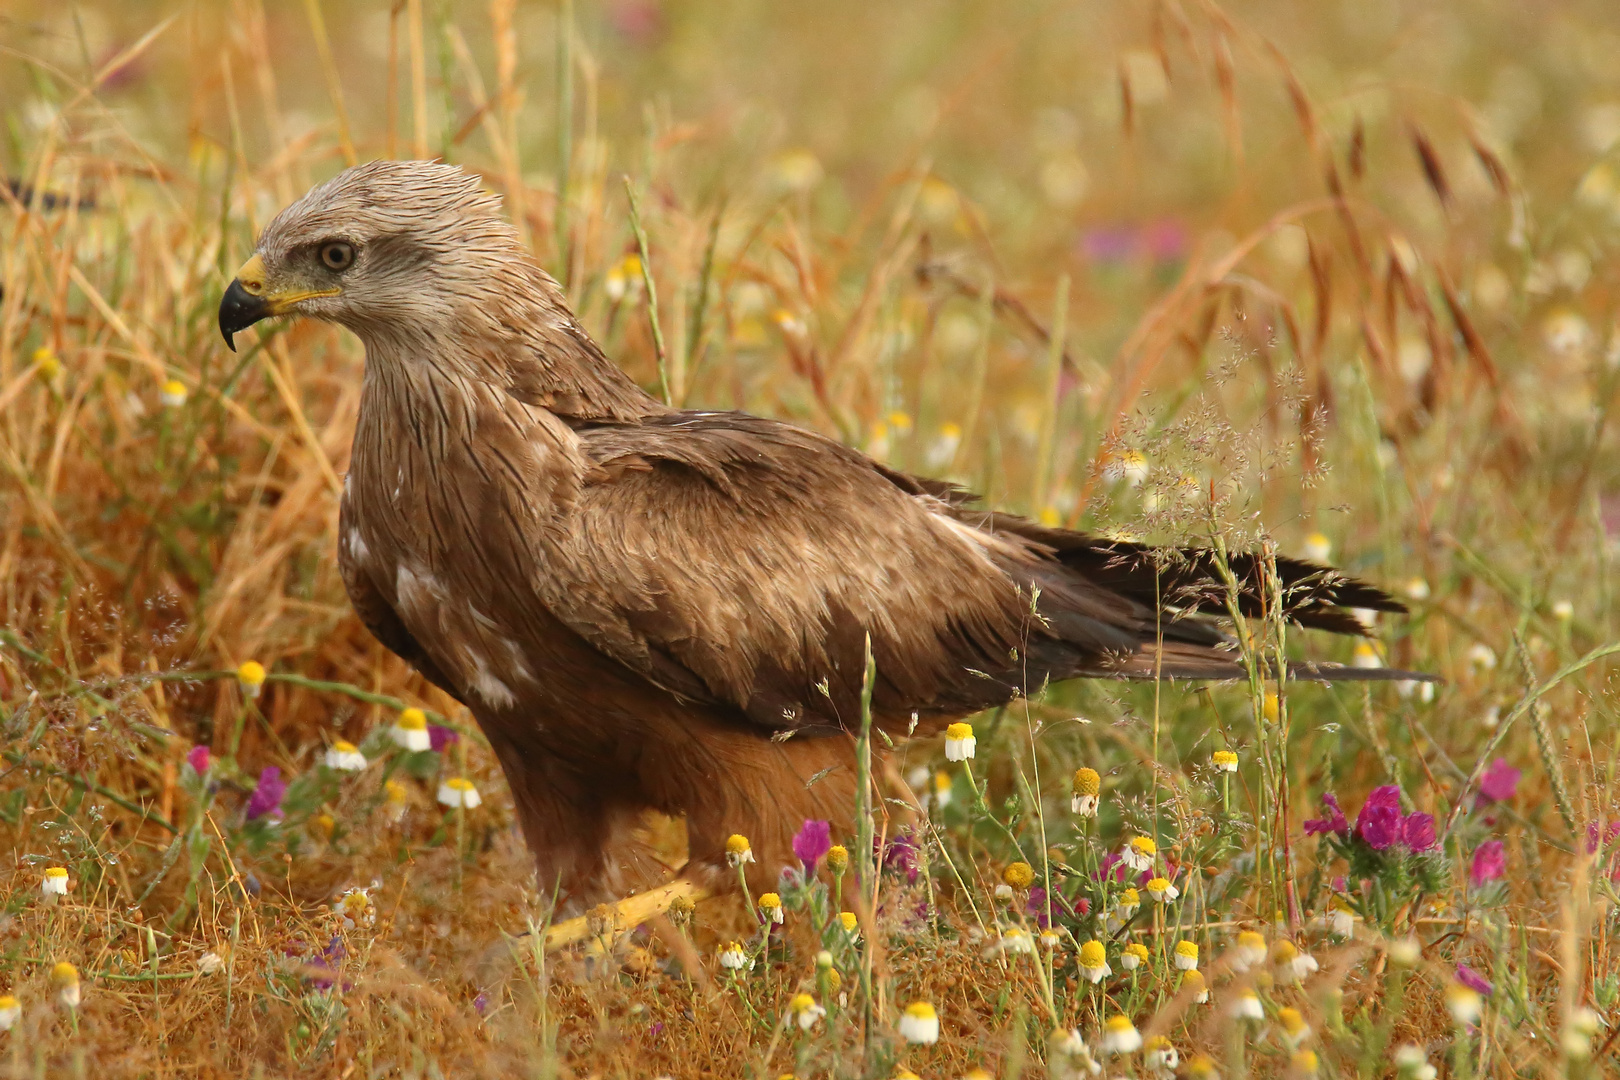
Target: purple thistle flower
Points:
(1474, 980)
(1609, 834)
(1488, 863)
(1379, 822)
(1334, 822)
(1499, 783)
(440, 737)
(266, 798)
(481, 1002)
(199, 759)
(901, 855)
(1417, 832)
(811, 844)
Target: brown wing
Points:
(744, 561)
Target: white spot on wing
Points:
(358, 551)
(485, 684)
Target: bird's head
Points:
(385, 245)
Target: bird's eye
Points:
(337, 255)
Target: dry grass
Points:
(1343, 269)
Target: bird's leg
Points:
(604, 925)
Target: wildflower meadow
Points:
(1335, 280)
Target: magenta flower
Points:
(199, 759)
(440, 737)
(1499, 783)
(1380, 820)
(1488, 863)
(1474, 980)
(1417, 832)
(1609, 835)
(812, 843)
(1334, 822)
(266, 798)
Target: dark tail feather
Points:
(1315, 596)
(1202, 663)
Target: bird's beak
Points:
(250, 299)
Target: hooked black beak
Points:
(238, 310)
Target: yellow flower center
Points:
(959, 731)
(251, 673)
(1143, 846)
(736, 844)
(1020, 875)
(921, 1010)
(1093, 955)
(1187, 949)
(1120, 1024)
(343, 747)
(413, 720)
(848, 920)
(1087, 782)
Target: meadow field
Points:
(1336, 280)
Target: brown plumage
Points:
(647, 607)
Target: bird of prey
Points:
(656, 608)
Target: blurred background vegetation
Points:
(1339, 274)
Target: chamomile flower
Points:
(737, 850)
(1318, 548)
(851, 925)
(1294, 1028)
(1019, 875)
(1139, 853)
(1303, 1064)
(1094, 962)
(1481, 656)
(250, 677)
(55, 883)
(1186, 955)
(65, 978)
(395, 797)
(1050, 939)
(770, 908)
(1133, 956)
(1563, 611)
(1071, 1057)
(733, 958)
(1161, 1058)
(355, 908)
(1404, 952)
(623, 279)
(1292, 964)
(1161, 890)
(1365, 655)
(345, 757)
(1004, 891)
(1124, 908)
(1465, 1003)
(1087, 792)
(210, 963)
(1120, 1036)
(10, 1011)
(410, 731)
(1249, 951)
(1341, 919)
(1416, 589)
(458, 791)
(1224, 761)
(942, 789)
(1194, 981)
(46, 364)
(919, 1023)
(1247, 1006)
(172, 393)
(1583, 1025)
(1016, 940)
(1411, 1063)
(837, 858)
(1202, 1067)
(804, 1011)
(959, 742)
